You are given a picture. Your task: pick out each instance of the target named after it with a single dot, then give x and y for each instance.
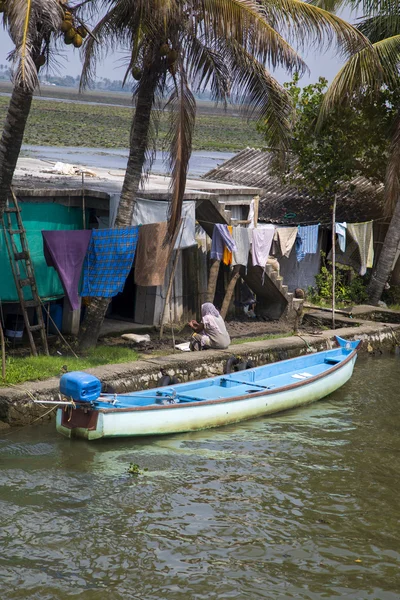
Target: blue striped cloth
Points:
(306, 241)
(108, 261)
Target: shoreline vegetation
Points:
(103, 120)
(20, 369)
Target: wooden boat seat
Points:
(332, 361)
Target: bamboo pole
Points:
(3, 353)
(83, 201)
(333, 260)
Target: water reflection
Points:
(300, 505)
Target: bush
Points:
(349, 286)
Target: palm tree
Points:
(177, 48)
(30, 25)
(358, 75)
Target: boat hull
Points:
(180, 418)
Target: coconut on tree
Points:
(176, 48)
(35, 28)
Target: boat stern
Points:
(79, 423)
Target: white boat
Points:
(87, 413)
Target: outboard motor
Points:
(80, 386)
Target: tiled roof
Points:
(282, 203)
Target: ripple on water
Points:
(301, 505)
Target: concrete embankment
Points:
(17, 406)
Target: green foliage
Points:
(349, 286)
(354, 139)
(134, 469)
(34, 368)
(392, 296)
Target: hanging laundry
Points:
(241, 254)
(362, 233)
(306, 241)
(152, 254)
(261, 244)
(287, 238)
(227, 255)
(221, 237)
(66, 251)
(250, 216)
(340, 229)
(108, 261)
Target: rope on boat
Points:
(29, 424)
(306, 343)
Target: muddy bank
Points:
(17, 406)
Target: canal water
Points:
(301, 505)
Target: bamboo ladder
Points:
(26, 277)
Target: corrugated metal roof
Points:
(282, 203)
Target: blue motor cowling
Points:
(80, 386)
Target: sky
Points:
(324, 64)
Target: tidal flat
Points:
(100, 120)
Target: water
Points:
(303, 505)
(201, 160)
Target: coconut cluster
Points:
(169, 54)
(73, 33)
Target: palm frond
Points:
(312, 25)
(367, 70)
(330, 5)
(244, 22)
(29, 23)
(206, 69)
(183, 113)
(380, 27)
(259, 95)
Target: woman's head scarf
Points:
(209, 309)
(209, 315)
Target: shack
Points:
(60, 197)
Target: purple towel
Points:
(66, 251)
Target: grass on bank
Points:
(37, 368)
(260, 338)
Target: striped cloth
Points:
(306, 241)
(108, 261)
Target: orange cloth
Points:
(227, 255)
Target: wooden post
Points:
(212, 280)
(83, 201)
(3, 353)
(333, 260)
(229, 291)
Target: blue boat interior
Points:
(268, 377)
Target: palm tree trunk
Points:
(94, 317)
(386, 258)
(11, 139)
(212, 280)
(229, 291)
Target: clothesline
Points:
(322, 224)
